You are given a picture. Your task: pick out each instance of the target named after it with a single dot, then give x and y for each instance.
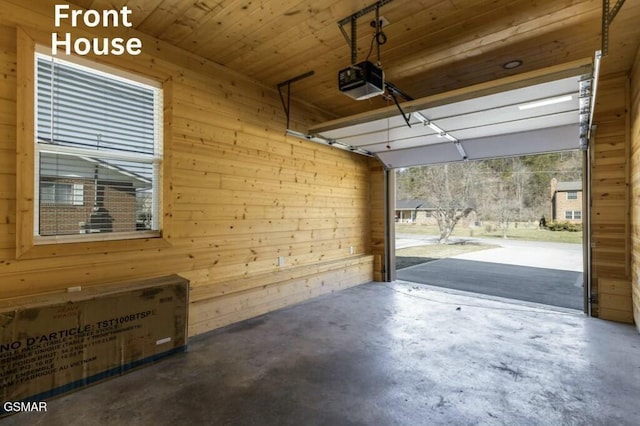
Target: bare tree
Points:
(449, 189)
(503, 189)
(520, 182)
(507, 200)
(505, 209)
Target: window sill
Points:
(93, 237)
(70, 245)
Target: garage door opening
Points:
(506, 227)
(540, 112)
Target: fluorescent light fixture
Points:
(545, 102)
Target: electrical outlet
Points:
(352, 250)
(280, 260)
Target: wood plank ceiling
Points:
(432, 46)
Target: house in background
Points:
(414, 211)
(420, 212)
(566, 201)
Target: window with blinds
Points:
(98, 151)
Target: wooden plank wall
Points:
(242, 194)
(610, 224)
(378, 219)
(635, 188)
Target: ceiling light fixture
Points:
(545, 102)
(512, 64)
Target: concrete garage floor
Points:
(381, 354)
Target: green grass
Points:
(524, 231)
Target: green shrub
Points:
(564, 226)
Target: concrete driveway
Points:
(539, 272)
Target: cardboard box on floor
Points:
(59, 342)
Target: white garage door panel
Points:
(569, 110)
(513, 97)
(527, 114)
(429, 154)
(365, 128)
(405, 143)
(531, 142)
(398, 138)
(493, 129)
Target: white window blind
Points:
(98, 151)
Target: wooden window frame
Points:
(29, 245)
